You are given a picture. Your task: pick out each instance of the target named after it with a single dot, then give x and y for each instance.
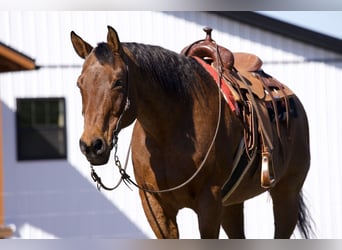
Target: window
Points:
(41, 128)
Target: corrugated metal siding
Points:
(58, 199)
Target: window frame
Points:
(39, 130)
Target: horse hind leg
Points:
(233, 221)
(162, 219)
(289, 210)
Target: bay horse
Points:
(175, 105)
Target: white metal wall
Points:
(51, 199)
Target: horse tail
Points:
(304, 219)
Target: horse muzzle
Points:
(97, 151)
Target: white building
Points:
(51, 194)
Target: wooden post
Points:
(5, 232)
(2, 215)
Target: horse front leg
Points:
(162, 219)
(209, 213)
(233, 221)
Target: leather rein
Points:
(122, 169)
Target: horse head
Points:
(104, 91)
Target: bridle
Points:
(122, 169)
(114, 145)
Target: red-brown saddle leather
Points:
(249, 84)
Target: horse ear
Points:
(113, 40)
(81, 47)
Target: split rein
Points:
(122, 170)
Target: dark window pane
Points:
(53, 113)
(24, 113)
(39, 113)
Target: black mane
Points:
(175, 73)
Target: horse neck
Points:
(161, 114)
(155, 110)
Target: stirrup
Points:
(266, 179)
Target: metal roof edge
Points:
(285, 29)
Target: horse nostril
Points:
(98, 146)
(84, 148)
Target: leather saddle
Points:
(251, 88)
(248, 65)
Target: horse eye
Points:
(118, 83)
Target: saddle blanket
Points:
(227, 94)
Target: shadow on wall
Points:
(53, 198)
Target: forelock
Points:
(103, 53)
